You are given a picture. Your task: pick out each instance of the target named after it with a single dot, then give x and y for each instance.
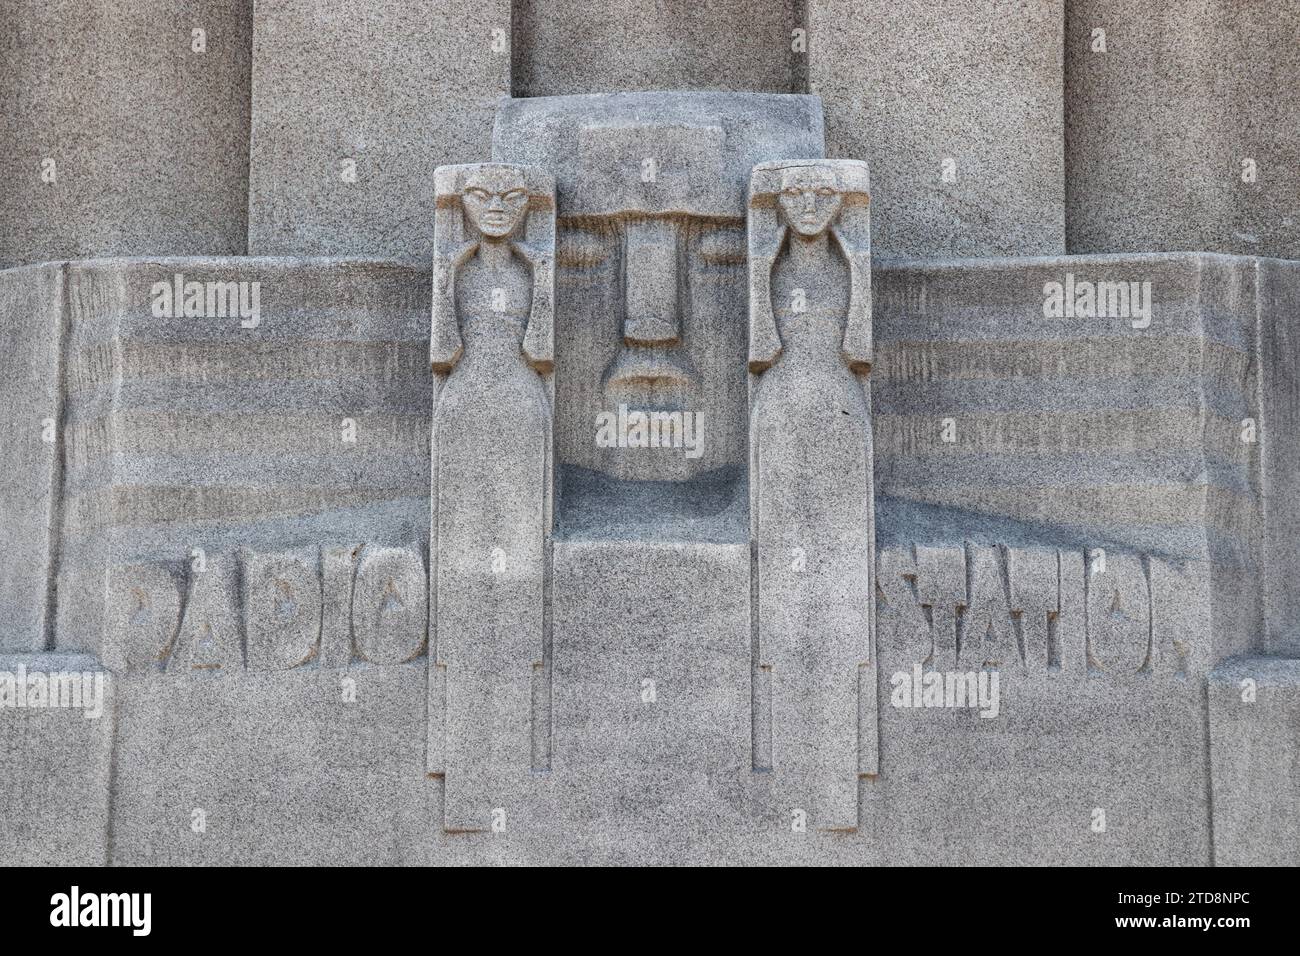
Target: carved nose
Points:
(650, 278)
(809, 201)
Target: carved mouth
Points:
(646, 368)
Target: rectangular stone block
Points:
(1254, 732)
(313, 766)
(595, 146)
(1072, 769)
(1263, 101)
(1121, 417)
(55, 760)
(354, 107)
(125, 128)
(1204, 87)
(583, 46)
(956, 106)
(31, 468)
(1278, 432)
(651, 664)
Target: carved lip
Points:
(651, 367)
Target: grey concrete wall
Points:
(354, 106)
(195, 432)
(1084, 429)
(31, 391)
(917, 88)
(56, 763)
(119, 138)
(232, 694)
(584, 46)
(1254, 726)
(1159, 125)
(320, 766)
(184, 433)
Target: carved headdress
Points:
(851, 229)
(454, 243)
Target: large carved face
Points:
(651, 284)
(651, 320)
(651, 294)
(809, 199)
(495, 201)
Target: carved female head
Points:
(495, 200)
(486, 204)
(810, 199)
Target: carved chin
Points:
(809, 228)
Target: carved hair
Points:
(851, 229)
(454, 245)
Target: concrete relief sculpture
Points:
(389, 605)
(1119, 613)
(651, 257)
(144, 612)
(209, 638)
(619, 497)
(1035, 613)
(491, 352)
(303, 607)
(811, 511)
(810, 261)
(283, 601)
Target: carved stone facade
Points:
(633, 508)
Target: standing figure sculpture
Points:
(491, 353)
(811, 508)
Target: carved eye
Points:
(515, 195)
(480, 194)
(791, 191)
(825, 191)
